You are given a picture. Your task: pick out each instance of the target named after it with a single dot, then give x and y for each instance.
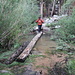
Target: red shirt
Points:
(39, 21)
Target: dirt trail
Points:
(42, 64)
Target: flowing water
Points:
(44, 44)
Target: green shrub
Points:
(66, 6)
(71, 67)
(66, 31)
(62, 46)
(6, 74)
(16, 17)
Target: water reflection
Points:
(44, 43)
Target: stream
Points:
(43, 47)
(44, 44)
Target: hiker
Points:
(39, 21)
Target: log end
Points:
(21, 60)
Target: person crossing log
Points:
(28, 49)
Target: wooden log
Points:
(27, 50)
(16, 54)
(41, 8)
(53, 8)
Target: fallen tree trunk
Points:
(16, 54)
(27, 50)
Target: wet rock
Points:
(38, 73)
(59, 55)
(35, 49)
(29, 66)
(36, 52)
(2, 60)
(57, 26)
(30, 72)
(46, 29)
(4, 71)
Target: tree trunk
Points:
(48, 10)
(53, 8)
(28, 49)
(41, 8)
(16, 54)
(59, 6)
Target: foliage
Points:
(71, 67)
(6, 74)
(58, 69)
(5, 54)
(31, 58)
(67, 6)
(66, 31)
(62, 45)
(16, 17)
(16, 45)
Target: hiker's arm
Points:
(36, 21)
(42, 21)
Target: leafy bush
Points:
(66, 31)
(71, 67)
(6, 74)
(68, 69)
(62, 46)
(16, 17)
(67, 7)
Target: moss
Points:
(71, 67)
(5, 55)
(6, 74)
(41, 66)
(31, 58)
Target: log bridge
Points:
(22, 53)
(16, 53)
(28, 49)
